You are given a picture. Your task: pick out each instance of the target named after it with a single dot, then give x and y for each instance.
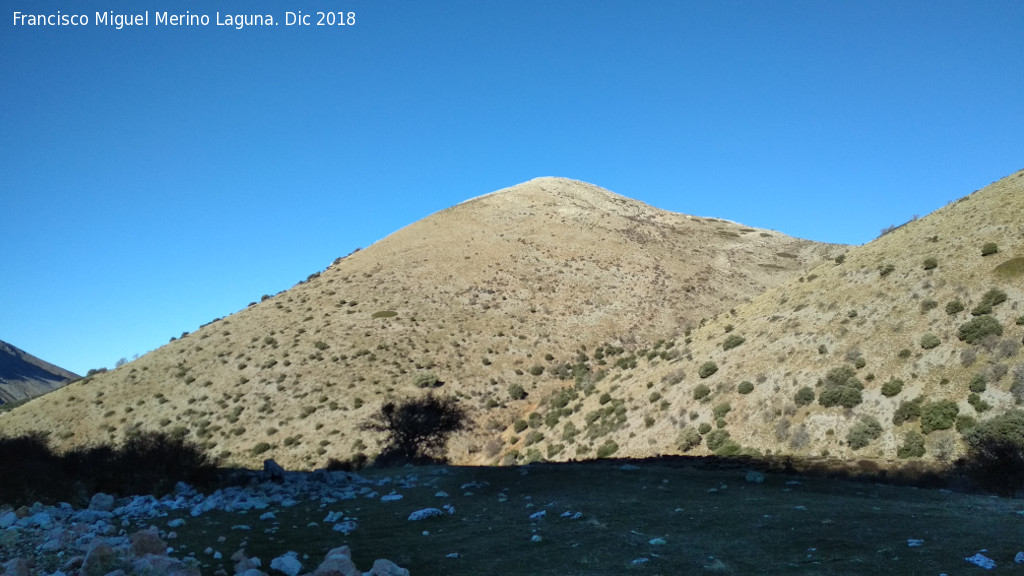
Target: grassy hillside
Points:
(490, 300)
(927, 320)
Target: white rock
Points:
(1019, 558)
(347, 527)
(657, 542)
(391, 497)
(914, 543)
(425, 513)
(640, 561)
(538, 515)
(102, 502)
(7, 520)
(441, 494)
(981, 560)
(536, 538)
(452, 555)
(288, 563)
(176, 523)
(333, 517)
(267, 516)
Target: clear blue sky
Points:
(154, 178)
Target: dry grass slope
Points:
(608, 313)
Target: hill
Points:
(23, 376)
(489, 297)
(889, 352)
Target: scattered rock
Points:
(101, 502)
(914, 543)
(755, 477)
(288, 563)
(387, 568)
(981, 560)
(273, 471)
(425, 513)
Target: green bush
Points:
(607, 449)
(929, 341)
(427, 380)
(995, 453)
(519, 425)
(908, 411)
(516, 392)
(536, 370)
(804, 396)
(904, 353)
(978, 404)
(863, 432)
(841, 387)
(938, 415)
(993, 297)
(707, 369)
(688, 439)
(928, 305)
(701, 392)
(930, 263)
(720, 410)
(704, 428)
(913, 446)
(978, 384)
(745, 387)
(975, 330)
(733, 341)
(892, 387)
(885, 270)
(965, 423)
(989, 248)
(954, 307)
(384, 314)
(716, 439)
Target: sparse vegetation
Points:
(938, 415)
(841, 388)
(892, 387)
(989, 248)
(745, 387)
(929, 341)
(954, 307)
(930, 263)
(732, 341)
(804, 396)
(701, 391)
(992, 298)
(912, 447)
(995, 453)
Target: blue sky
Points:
(154, 178)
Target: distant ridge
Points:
(23, 376)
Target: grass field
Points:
(659, 518)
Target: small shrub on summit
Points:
(707, 369)
(863, 432)
(989, 248)
(929, 341)
(954, 307)
(975, 330)
(733, 341)
(892, 387)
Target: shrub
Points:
(720, 410)
(427, 380)
(954, 307)
(885, 270)
(977, 403)
(707, 369)
(384, 314)
(929, 341)
(701, 392)
(841, 387)
(863, 432)
(904, 353)
(995, 453)
(1020, 321)
(908, 411)
(516, 392)
(928, 305)
(939, 415)
(993, 297)
(745, 387)
(913, 446)
(965, 423)
(519, 425)
(930, 263)
(716, 439)
(1012, 268)
(977, 384)
(804, 396)
(974, 331)
(688, 439)
(536, 370)
(989, 248)
(704, 428)
(607, 449)
(892, 387)
(417, 430)
(733, 341)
